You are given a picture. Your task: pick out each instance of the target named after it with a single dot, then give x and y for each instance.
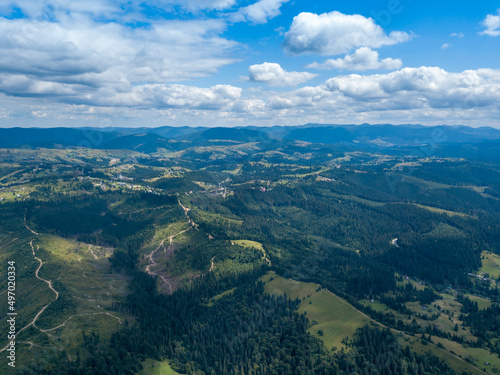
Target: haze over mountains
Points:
(150, 139)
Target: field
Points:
(86, 288)
(326, 312)
(248, 243)
(375, 305)
(441, 211)
(254, 245)
(456, 363)
(338, 319)
(478, 357)
(482, 303)
(219, 296)
(490, 264)
(152, 367)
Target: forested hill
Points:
(370, 135)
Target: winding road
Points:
(150, 256)
(92, 252)
(72, 316)
(186, 210)
(51, 287)
(212, 264)
(49, 283)
(153, 263)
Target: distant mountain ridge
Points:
(145, 142)
(52, 137)
(228, 134)
(150, 139)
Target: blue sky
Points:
(252, 62)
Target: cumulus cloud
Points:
(77, 56)
(147, 96)
(491, 24)
(61, 64)
(110, 8)
(335, 33)
(70, 56)
(457, 35)
(445, 46)
(52, 9)
(363, 58)
(425, 95)
(181, 96)
(261, 11)
(274, 75)
(422, 87)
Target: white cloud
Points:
(260, 12)
(274, 75)
(335, 33)
(51, 9)
(445, 46)
(77, 55)
(457, 35)
(147, 96)
(194, 5)
(110, 8)
(425, 95)
(65, 65)
(422, 87)
(363, 58)
(492, 25)
(422, 95)
(77, 58)
(304, 98)
(280, 30)
(181, 96)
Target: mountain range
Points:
(150, 139)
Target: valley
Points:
(198, 248)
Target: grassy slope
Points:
(482, 303)
(375, 305)
(475, 355)
(86, 285)
(248, 243)
(441, 211)
(337, 319)
(254, 245)
(219, 296)
(152, 367)
(491, 264)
